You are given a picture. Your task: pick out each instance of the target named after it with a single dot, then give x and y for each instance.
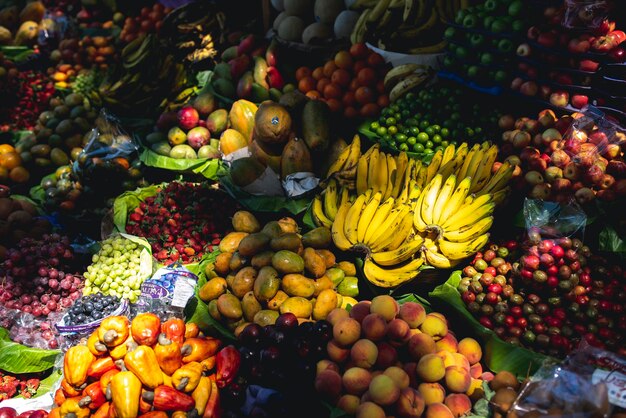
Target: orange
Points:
(341, 77)
(4, 174)
(306, 84)
(329, 68)
(354, 84)
(10, 160)
(366, 77)
(122, 162)
(318, 73)
(332, 91)
(383, 101)
(19, 175)
(313, 94)
(364, 95)
(359, 65)
(348, 99)
(344, 60)
(4, 148)
(334, 105)
(369, 110)
(380, 87)
(350, 112)
(375, 60)
(323, 82)
(302, 72)
(359, 50)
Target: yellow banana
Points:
(400, 254)
(319, 216)
(380, 216)
(433, 167)
(461, 250)
(467, 161)
(387, 278)
(479, 208)
(438, 260)
(418, 221)
(361, 176)
(397, 229)
(392, 173)
(456, 200)
(499, 180)
(330, 199)
(474, 164)
(448, 154)
(339, 162)
(500, 195)
(355, 153)
(470, 231)
(381, 176)
(352, 217)
(339, 238)
(367, 216)
(442, 199)
(428, 204)
(402, 162)
(403, 232)
(386, 227)
(372, 168)
(414, 193)
(481, 175)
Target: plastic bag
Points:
(168, 291)
(53, 28)
(585, 14)
(553, 220)
(590, 383)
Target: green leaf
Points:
(611, 241)
(412, 297)
(307, 220)
(208, 168)
(203, 78)
(17, 358)
(37, 193)
(481, 409)
(17, 54)
(497, 354)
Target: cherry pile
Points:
(36, 276)
(182, 222)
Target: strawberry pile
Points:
(182, 222)
(11, 386)
(25, 100)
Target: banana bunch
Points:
(405, 78)
(408, 26)
(453, 223)
(344, 167)
(325, 205)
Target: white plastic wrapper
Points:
(297, 184)
(268, 184)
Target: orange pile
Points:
(11, 165)
(351, 83)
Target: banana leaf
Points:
(208, 168)
(611, 241)
(17, 54)
(266, 203)
(497, 355)
(364, 129)
(307, 220)
(128, 201)
(17, 358)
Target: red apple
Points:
(595, 174)
(538, 164)
(560, 158)
(564, 79)
(571, 171)
(577, 46)
(620, 187)
(584, 195)
(547, 118)
(588, 65)
(562, 185)
(607, 182)
(521, 139)
(612, 151)
(529, 152)
(579, 101)
(563, 124)
(559, 98)
(616, 168)
(607, 195)
(540, 191)
(533, 178)
(529, 88)
(547, 39)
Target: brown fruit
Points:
(504, 379)
(272, 124)
(244, 221)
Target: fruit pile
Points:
(250, 71)
(149, 20)
(131, 368)
(386, 359)
(25, 101)
(37, 276)
(283, 357)
(351, 83)
(91, 308)
(21, 27)
(266, 271)
(11, 165)
(62, 190)
(432, 118)
(561, 158)
(552, 298)
(11, 386)
(74, 55)
(19, 219)
(183, 221)
(118, 269)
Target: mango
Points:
(237, 261)
(225, 87)
(217, 121)
(222, 263)
(212, 289)
(318, 238)
(288, 241)
(222, 70)
(288, 225)
(336, 275)
(287, 262)
(277, 300)
(348, 268)
(329, 257)
(313, 263)
(231, 140)
(213, 311)
(266, 284)
(349, 286)
(253, 244)
(272, 229)
(244, 86)
(325, 302)
(231, 241)
(243, 282)
(250, 306)
(229, 306)
(260, 72)
(298, 285)
(299, 306)
(322, 283)
(265, 317)
(262, 259)
(229, 54)
(258, 93)
(244, 221)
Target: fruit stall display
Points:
(314, 208)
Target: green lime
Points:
(392, 130)
(403, 147)
(478, 130)
(410, 96)
(381, 120)
(430, 131)
(418, 148)
(390, 121)
(422, 137)
(424, 124)
(397, 115)
(437, 139)
(444, 143)
(401, 137)
(387, 137)
(469, 132)
(428, 151)
(411, 122)
(381, 131)
(393, 144)
(437, 128)
(445, 133)
(411, 140)
(429, 144)
(455, 116)
(395, 107)
(374, 126)
(405, 113)
(414, 130)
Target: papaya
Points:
(250, 306)
(266, 284)
(313, 262)
(241, 118)
(296, 158)
(259, 152)
(33, 12)
(294, 102)
(298, 306)
(318, 238)
(272, 229)
(272, 124)
(253, 244)
(262, 259)
(244, 221)
(222, 263)
(329, 257)
(27, 34)
(229, 306)
(289, 241)
(212, 289)
(243, 281)
(5, 36)
(326, 301)
(298, 285)
(245, 171)
(232, 140)
(287, 262)
(230, 242)
(316, 125)
(265, 317)
(277, 300)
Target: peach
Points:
(383, 390)
(346, 331)
(336, 314)
(448, 343)
(476, 370)
(487, 376)
(409, 368)
(364, 353)
(432, 392)
(410, 404)
(447, 357)
(386, 306)
(457, 379)
(421, 344)
(438, 410)
(397, 332)
(326, 364)
(360, 310)
(374, 327)
(356, 380)
(431, 368)
(413, 313)
(461, 360)
(476, 391)
(470, 348)
(337, 353)
(458, 403)
(434, 326)
(328, 385)
(366, 397)
(369, 410)
(399, 376)
(387, 355)
(349, 403)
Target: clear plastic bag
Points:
(553, 220)
(168, 291)
(585, 14)
(53, 28)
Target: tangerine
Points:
(332, 91)
(359, 65)
(359, 50)
(323, 82)
(4, 148)
(344, 60)
(350, 112)
(369, 110)
(306, 84)
(10, 160)
(19, 175)
(334, 105)
(383, 101)
(318, 73)
(302, 72)
(329, 68)
(380, 87)
(354, 84)
(366, 77)
(364, 95)
(313, 94)
(341, 77)
(375, 60)
(348, 99)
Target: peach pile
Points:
(391, 360)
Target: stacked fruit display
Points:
(149, 20)
(386, 359)
(118, 269)
(555, 296)
(424, 121)
(133, 368)
(561, 158)
(182, 222)
(62, 190)
(313, 22)
(351, 83)
(271, 270)
(86, 52)
(12, 165)
(19, 219)
(250, 71)
(27, 96)
(37, 276)
(21, 27)
(91, 308)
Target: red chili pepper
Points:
(227, 362)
